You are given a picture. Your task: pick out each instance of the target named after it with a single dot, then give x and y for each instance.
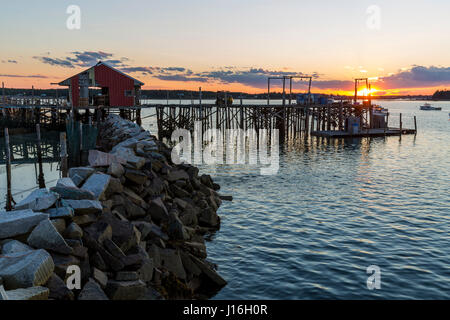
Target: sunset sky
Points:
(232, 45)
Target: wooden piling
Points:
(63, 154)
(9, 198)
(401, 124)
(415, 125)
(41, 180)
(3, 94)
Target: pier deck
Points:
(292, 120)
(363, 134)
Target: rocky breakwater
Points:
(131, 222)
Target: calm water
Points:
(335, 208)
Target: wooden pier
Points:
(292, 120)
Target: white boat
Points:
(429, 107)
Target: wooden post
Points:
(99, 115)
(41, 180)
(306, 128)
(290, 90)
(63, 154)
(3, 93)
(9, 198)
(387, 121)
(80, 156)
(81, 137)
(401, 124)
(415, 125)
(138, 117)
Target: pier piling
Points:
(41, 179)
(63, 154)
(9, 198)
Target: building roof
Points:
(68, 83)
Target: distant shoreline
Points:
(208, 95)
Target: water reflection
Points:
(24, 169)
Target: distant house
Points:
(117, 88)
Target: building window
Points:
(129, 93)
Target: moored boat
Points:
(429, 107)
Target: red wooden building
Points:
(117, 88)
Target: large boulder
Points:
(14, 246)
(62, 262)
(175, 175)
(79, 175)
(73, 231)
(97, 184)
(32, 293)
(209, 218)
(61, 213)
(130, 157)
(58, 289)
(100, 277)
(97, 232)
(16, 223)
(171, 260)
(100, 159)
(113, 249)
(84, 207)
(83, 172)
(128, 143)
(136, 176)
(45, 236)
(92, 291)
(116, 170)
(176, 229)
(67, 189)
(123, 233)
(38, 200)
(85, 220)
(125, 290)
(26, 269)
(209, 272)
(59, 224)
(158, 210)
(145, 272)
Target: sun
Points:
(366, 92)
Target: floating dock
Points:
(363, 133)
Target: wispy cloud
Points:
(412, 77)
(83, 59)
(10, 61)
(417, 77)
(55, 62)
(38, 76)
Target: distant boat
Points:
(429, 107)
(379, 110)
